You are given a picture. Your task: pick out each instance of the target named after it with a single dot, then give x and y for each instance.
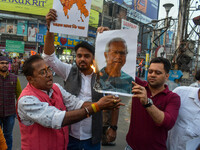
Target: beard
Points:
(83, 68)
(5, 69)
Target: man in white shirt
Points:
(45, 109)
(79, 80)
(197, 77)
(187, 124)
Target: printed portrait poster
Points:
(115, 61)
(2, 27)
(32, 32)
(11, 29)
(22, 28)
(73, 17)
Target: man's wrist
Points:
(149, 103)
(114, 128)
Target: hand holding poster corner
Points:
(115, 55)
(73, 17)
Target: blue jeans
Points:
(75, 144)
(7, 124)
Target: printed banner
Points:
(128, 25)
(22, 28)
(36, 7)
(11, 29)
(94, 18)
(2, 27)
(73, 17)
(97, 5)
(32, 32)
(141, 10)
(14, 46)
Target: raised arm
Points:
(49, 41)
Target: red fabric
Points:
(143, 133)
(37, 137)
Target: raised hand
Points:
(51, 16)
(101, 29)
(139, 92)
(109, 102)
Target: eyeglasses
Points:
(44, 72)
(4, 63)
(122, 53)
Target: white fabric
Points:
(195, 84)
(188, 121)
(81, 130)
(31, 109)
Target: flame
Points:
(93, 67)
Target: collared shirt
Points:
(31, 109)
(144, 133)
(195, 84)
(187, 124)
(18, 86)
(81, 130)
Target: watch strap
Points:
(149, 103)
(114, 128)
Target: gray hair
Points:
(117, 39)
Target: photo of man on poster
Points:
(32, 31)
(119, 54)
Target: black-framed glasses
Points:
(44, 72)
(4, 63)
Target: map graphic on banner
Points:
(73, 17)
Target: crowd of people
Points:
(15, 64)
(70, 117)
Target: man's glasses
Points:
(4, 63)
(122, 53)
(44, 72)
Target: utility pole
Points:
(182, 21)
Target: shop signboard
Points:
(169, 37)
(67, 42)
(97, 5)
(14, 46)
(36, 7)
(94, 18)
(22, 28)
(42, 29)
(40, 38)
(62, 41)
(128, 25)
(141, 10)
(92, 33)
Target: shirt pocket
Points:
(193, 129)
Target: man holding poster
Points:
(79, 80)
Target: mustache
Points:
(82, 62)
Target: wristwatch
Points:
(149, 103)
(114, 128)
